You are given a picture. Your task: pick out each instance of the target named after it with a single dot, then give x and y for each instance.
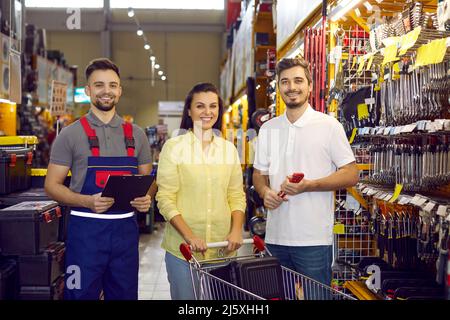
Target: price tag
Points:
(415, 199)
(352, 138)
(363, 111)
(430, 206)
(390, 54)
(388, 197)
(386, 131)
(408, 40)
(404, 200)
(409, 128)
(369, 63)
(361, 65)
(398, 189)
(339, 228)
(431, 53)
(421, 201)
(442, 211)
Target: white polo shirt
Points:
(316, 145)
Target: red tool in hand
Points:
(296, 178)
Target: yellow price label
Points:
(354, 132)
(395, 71)
(398, 189)
(339, 228)
(408, 40)
(431, 53)
(369, 63)
(355, 60)
(390, 54)
(361, 65)
(363, 111)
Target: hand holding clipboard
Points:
(126, 189)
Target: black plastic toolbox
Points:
(53, 292)
(8, 279)
(29, 227)
(15, 169)
(261, 276)
(42, 269)
(37, 194)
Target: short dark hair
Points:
(288, 63)
(186, 120)
(101, 64)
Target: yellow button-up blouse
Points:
(203, 187)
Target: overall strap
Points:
(92, 137)
(129, 139)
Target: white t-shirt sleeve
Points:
(340, 150)
(262, 160)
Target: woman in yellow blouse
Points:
(200, 188)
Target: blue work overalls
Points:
(102, 249)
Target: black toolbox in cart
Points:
(29, 227)
(53, 292)
(8, 279)
(15, 169)
(37, 194)
(42, 269)
(261, 276)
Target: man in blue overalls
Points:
(102, 245)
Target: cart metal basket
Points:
(208, 286)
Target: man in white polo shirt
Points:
(300, 224)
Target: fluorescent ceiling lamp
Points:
(146, 46)
(130, 12)
(357, 12)
(168, 4)
(63, 4)
(343, 7)
(163, 78)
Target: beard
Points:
(295, 105)
(105, 106)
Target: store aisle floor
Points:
(153, 284)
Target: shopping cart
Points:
(208, 286)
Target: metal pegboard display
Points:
(354, 236)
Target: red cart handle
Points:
(186, 249)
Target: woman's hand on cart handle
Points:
(234, 240)
(186, 249)
(196, 244)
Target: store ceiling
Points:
(93, 20)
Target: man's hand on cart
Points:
(271, 199)
(234, 241)
(142, 204)
(99, 204)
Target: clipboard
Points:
(125, 189)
